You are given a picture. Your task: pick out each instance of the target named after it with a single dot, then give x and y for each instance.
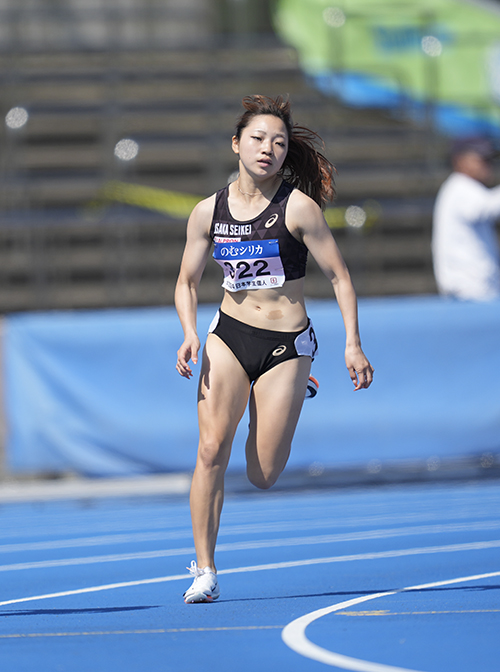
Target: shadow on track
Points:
(59, 612)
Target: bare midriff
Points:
(281, 309)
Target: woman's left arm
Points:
(305, 220)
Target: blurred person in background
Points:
(464, 240)
(261, 342)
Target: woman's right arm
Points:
(193, 263)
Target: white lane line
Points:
(384, 533)
(179, 525)
(97, 559)
(270, 566)
(167, 553)
(294, 634)
(96, 589)
(255, 545)
(103, 540)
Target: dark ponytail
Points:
(305, 167)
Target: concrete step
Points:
(180, 106)
(89, 265)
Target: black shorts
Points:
(259, 350)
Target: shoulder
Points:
(459, 182)
(205, 208)
(459, 191)
(303, 214)
(454, 182)
(300, 201)
(303, 206)
(201, 216)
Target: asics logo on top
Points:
(279, 350)
(272, 220)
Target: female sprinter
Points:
(261, 343)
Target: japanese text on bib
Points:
(250, 265)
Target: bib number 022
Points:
(250, 265)
(243, 270)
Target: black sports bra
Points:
(259, 253)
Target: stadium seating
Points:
(58, 249)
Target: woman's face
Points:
(263, 145)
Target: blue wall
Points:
(97, 392)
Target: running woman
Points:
(261, 342)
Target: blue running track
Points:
(375, 580)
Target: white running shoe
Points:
(204, 587)
(312, 388)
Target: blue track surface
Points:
(120, 563)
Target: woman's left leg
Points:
(275, 405)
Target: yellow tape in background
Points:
(173, 203)
(179, 205)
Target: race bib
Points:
(250, 265)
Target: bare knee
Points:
(262, 480)
(212, 454)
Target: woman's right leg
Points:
(222, 397)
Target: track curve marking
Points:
(294, 634)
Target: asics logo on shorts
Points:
(272, 220)
(279, 350)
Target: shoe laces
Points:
(196, 571)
